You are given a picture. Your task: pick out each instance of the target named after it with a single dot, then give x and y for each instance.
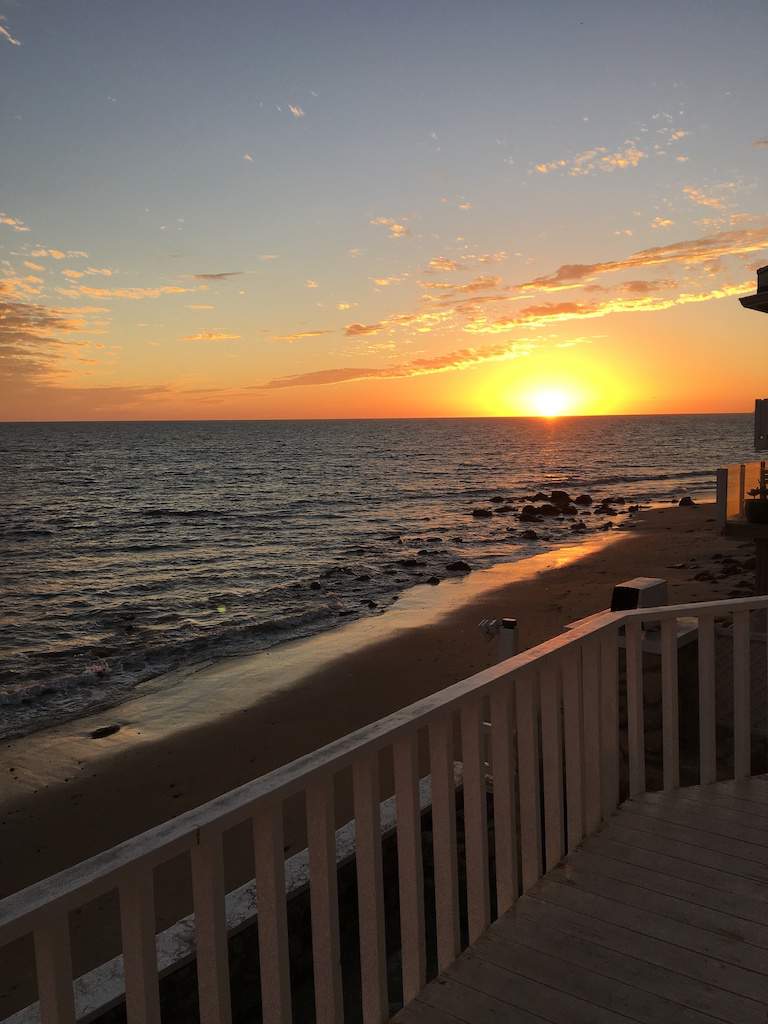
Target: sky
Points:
(244, 209)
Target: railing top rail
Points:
(82, 882)
(98, 874)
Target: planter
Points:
(756, 511)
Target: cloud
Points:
(686, 253)
(5, 218)
(699, 197)
(343, 305)
(661, 222)
(355, 330)
(18, 287)
(31, 349)
(221, 276)
(760, 143)
(213, 335)
(558, 312)
(126, 293)
(446, 265)
(248, 157)
(299, 336)
(296, 111)
(6, 34)
(33, 266)
(477, 284)
(385, 282)
(200, 305)
(310, 283)
(58, 254)
(597, 159)
(443, 265)
(396, 230)
(457, 360)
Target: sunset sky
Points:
(239, 209)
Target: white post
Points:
(509, 638)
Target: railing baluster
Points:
(742, 719)
(552, 763)
(370, 889)
(504, 796)
(410, 868)
(528, 777)
(53, 962)
(590, 698)
(444, 839)
(574, 753)
(669, 705)
(137, 921)
(475, 819)
(635, 711)
(609, 724)
(707, 723)
(211, 929)
(324, 900)
(274, 962)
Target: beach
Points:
(65, 796)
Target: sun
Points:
(550, 402)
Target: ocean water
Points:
(127, 549)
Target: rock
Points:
(579, 527)
(529, 535)
(504, 509)
(686, 501)
(497, 500)
(617, 500)
(606, 526)
(410, 563)
(539, 496)
(583, 499)
(314, 585)
(104, 730)
(459, 566)
(633, 508)
(529, 514)
(370, 604)
(677, 565)
(560, 498)
(482, 513)
(548, 510)
(457, 540)
(365, 578)
(433, 581)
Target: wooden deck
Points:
(660, 917)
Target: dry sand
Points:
(192, 736)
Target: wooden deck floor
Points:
(661, 917)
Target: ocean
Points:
(129, 549)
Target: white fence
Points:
(559, 763)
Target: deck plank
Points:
(658, 917)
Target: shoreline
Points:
(252, 713)
(65, 796)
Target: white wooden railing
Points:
(561, 758)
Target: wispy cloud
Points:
(59, 254)
(296, 110)
(299, 336)
(200, 305)
(696, 195)
(221, 276)
(395, 228)
(5, 218)
(248, 157)
(311, 283)
(457, 360)
(125, 293)
(355, 330)
(597, 159)
(5, 32)
(760, 143)
(661, 222)
(33, 266)
(212, 335)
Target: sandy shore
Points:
(185, 739)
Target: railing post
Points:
(410, 868)
(635, 711)
(137, 917)
(670, 727)
(742, 725)
(707, 722)
(211, 929)
(552, 763)
(370, 889)
(444, 839)
(53, 962)
(324, 900)
(574, 752)
(475, 819)
(274, 963)
(529, 787)
(609, 723)
(590, 690)
(504, 796)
